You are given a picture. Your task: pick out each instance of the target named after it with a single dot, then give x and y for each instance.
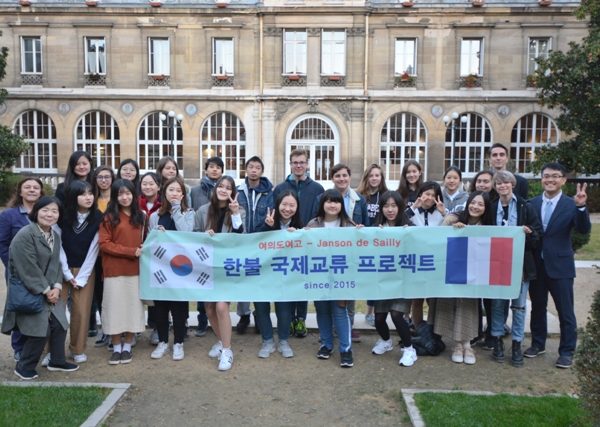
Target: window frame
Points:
(105, 149)
(397, 70)
(465, 69)
(37, 143)
(151, 150)
(328, 48)
(531, 133)
(531, 61)
(214, 141)
(37, 56)
(409, 123)
(218, 56)
(297, 54)
(152, 57)
(473, 137)
(98, 59)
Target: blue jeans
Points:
(299, 309)
(518, 307)
(243, 309)
(283, 311)
(329, 313)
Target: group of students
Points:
(105, 219)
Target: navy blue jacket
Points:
(557, 247)
(255, 202)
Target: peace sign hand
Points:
(439, 204)
(234, 206)
(270, 218)
(581, 196)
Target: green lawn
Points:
(591, 251)
(48, 406)
(463, 410)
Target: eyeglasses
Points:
(103, 178)
(552, 176)
(298, 163)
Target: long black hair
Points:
(401, 218)
(488, 216)
(113, 209)
(76, 189)
(135, 180)
(403, 186)
(70, 175)
(295, 220)
(334, 196)
(214, 210)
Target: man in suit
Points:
(560, 214)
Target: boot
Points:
(517, 354)
(498, 352)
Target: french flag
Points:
(479, 261)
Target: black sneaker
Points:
(324, 353)
(126, 357)
(242, 325)
(200, 332)
(102, 341)
(346, 360)
(115, 358)
(564, 362)
(25, 374)
(63, 367)
(92, 333)
(533, 351)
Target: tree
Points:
(569, 82)
(11, 145)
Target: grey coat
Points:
(29, 254)
(201, 219)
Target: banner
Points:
(334, 264)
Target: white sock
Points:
(117, 348)
(127, 347)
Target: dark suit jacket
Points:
(557, 248)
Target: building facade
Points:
(357, 82)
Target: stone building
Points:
(358, 82)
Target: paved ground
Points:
(300, 391)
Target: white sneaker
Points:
(457, 354)
(382, 346)
(226, 359)
(284, 348)
(409, 356)
(80, 358)
(161, 349)
(178, 351)
(266, 349)
(469, 356)
(46, 360)
(215, 350)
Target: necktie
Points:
(546, 214)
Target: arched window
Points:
(468, 141)
(156, 139)
(97, 133)
(531, 132)
(38, 129)
(403, 137)
(320, 137)
(223, 135)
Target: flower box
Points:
(155, 3)
(91, 3)
(293, 77)
(335, 78)
(222, 77)
(25, 3)
(477, 3)
(544, 3)
(408, 3)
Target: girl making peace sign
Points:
(222, 214)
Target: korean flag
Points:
(175, 265)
